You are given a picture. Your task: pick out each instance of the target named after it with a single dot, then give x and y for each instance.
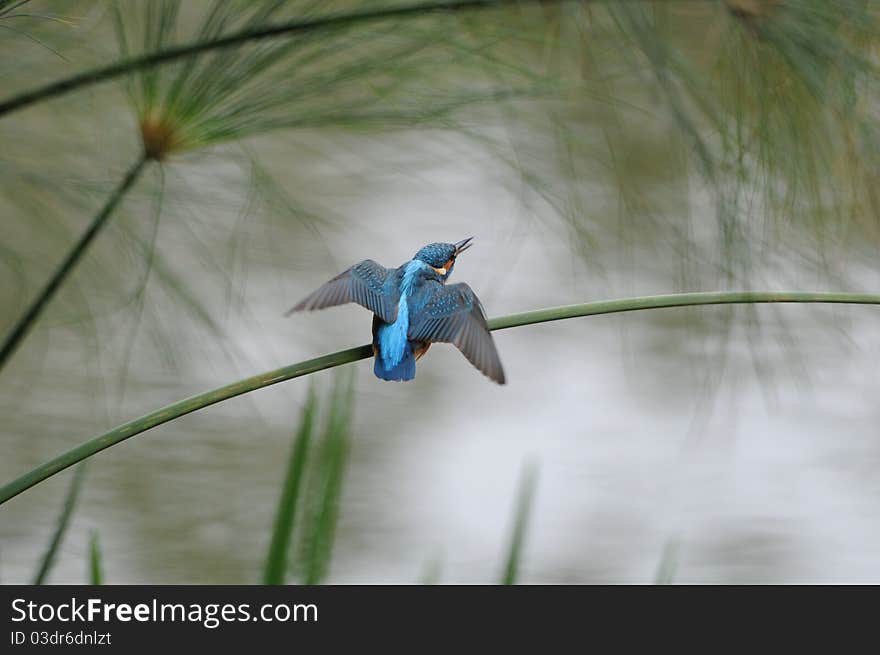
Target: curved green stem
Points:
(149, 60)
(199, 401)
(678, 300)
(26, 322)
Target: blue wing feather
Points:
(367, 283)
(453, 314)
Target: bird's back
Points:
(395, 353)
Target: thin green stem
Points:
(289, 503)
(326, 482)
(202, 400)
(48, 560)
(334, 21)
(26, 322)
(525, 499)
(678, 300)
(96, 568)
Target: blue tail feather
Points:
(404, 370)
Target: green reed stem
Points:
(26, 322)
(525, 499)
(199, 401)
(70, 498)
(339, 20)
(96, 567)
(326, 482)
(275, 569)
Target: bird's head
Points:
(441, 256)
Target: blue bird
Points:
(413, 307)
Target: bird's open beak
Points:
(463, 245)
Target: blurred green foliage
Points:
(607, 111)
(727, 142)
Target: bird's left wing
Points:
(364, 283)
(454, 315)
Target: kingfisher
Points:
(412, 308)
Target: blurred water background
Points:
(727, 444)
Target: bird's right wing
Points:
(363, 283)
(454, 315)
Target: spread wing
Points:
(363, 283)
(454, 315)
